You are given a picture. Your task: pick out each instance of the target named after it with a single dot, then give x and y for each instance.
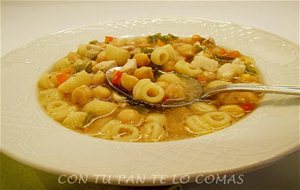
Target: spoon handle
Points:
(292, 90)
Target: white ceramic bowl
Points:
(267, 134)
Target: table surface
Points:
(23, 22)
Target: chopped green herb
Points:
(223, 59)
(89, 119)
(198, 48)
(251, 69)
(164, 38)
(89, 68)
(147, 50)
(168, 37)
(154, 38)
(93, 42)
(79, 65)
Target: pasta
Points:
(99, 107)
(47, 81)
(148, 91)
(49, 95)
(128, 81)
(129, 67)
(160, 56)
(154, 131)
(117, 54)
(59, 109)
(82, 78)
(205, 63)
(98, 78)
(233, 110)
(75, 120)
(89, 50)
(197, 125)
(217, 119)
(188, 69)
(201, 107)
(121, 132)
(158, 118)
(105, 65)
(75, 91)
(81, 95)
(61, 64)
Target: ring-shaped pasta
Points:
(156, 117)
(138, 87)
(188, 69)
(160, 56)
(148, 91)
(120, 133)
(201, 107)
(105, 131)
(217, 119)
(152, 93)
(50, 95)
(234, 110)
(56, 106)
(59, 109)
(154, 131)
(197, 125)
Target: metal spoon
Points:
(197, 91)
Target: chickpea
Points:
(143, 73)
(197, 38)
(98, 78)
(128, 81)
(140, 41)
(170, 78)
(142, 59)
(185, 50)
(169, 66)
(130, 116)
(162, 84)
(101, 92)
(174, 91)
(81, 95)
(210, 42)
(247, 78)
(209, 75)
(237, 97)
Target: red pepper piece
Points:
(117, 78)
(248, 107)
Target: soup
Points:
(75, 92)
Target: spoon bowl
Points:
(193, 89)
